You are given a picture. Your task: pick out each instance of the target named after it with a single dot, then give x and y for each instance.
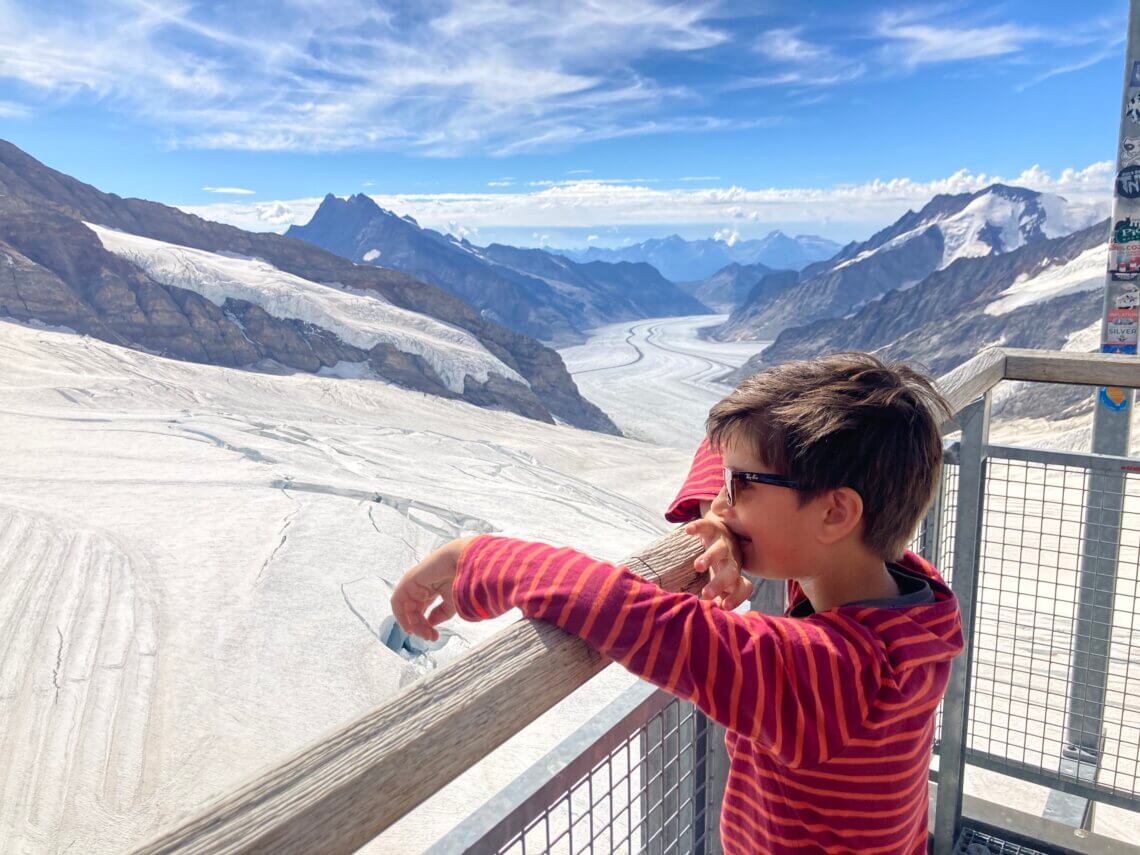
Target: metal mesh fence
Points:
(1054, 683)
(940, 549)
(647, 794)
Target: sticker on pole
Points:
(1127, 297)
(1132, 111)
(1134, 77)
(1128, 182)
(1115, 398)
(1126, 231)
(1120, 327)
(1129, 150)
(1124, 258)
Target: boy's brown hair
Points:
(846, 420)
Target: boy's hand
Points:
(420, 586)
(722, 558)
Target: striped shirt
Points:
(829, 717)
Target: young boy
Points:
(816, 472)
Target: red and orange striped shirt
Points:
(829, 717)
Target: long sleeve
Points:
(797, 687)
(704, 481)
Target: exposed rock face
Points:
(730, 286)
(528, 290)
(993, 221)
(695, 260)
(943, 321)
(55, 270)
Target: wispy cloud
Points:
(11, 110)
(439, 79)
(785, 45)
(794, 61)
(914, 39)
(236, 191)
(860, 208)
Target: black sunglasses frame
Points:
(731, 476)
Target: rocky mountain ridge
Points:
(1047, 294)
(53, 269)
(992, 221)
(529, 290)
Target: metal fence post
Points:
(975, 422)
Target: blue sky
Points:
(540, 122)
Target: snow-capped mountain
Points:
(529, 290)
(1046, 294)
(683, 260)
(152, 277)
(996, 220)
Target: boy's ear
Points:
(842, 514)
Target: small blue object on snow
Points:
(398, 641)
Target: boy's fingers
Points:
(444, 611)
(717, 552)
(409, 602)
(739, 594)
(725, 576)
(702, 528)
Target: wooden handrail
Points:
(343, 790)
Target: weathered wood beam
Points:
(1091, 369)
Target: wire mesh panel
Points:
(941, 549)
(1027, 657)
(647, 794)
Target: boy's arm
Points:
(797, 687)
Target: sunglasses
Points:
(731, 476)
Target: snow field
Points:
(361, 320)
(224, 609)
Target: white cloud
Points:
(442, 79)
(727, 236)
(502, 182)
(12, 110)
(848, 210)
(785, 45)
(236, 191)
(917, 42)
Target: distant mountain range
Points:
(948, 230)
(681, 260)
(532, 291)
(1019, 281)
(148, 276)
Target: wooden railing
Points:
(346, 788)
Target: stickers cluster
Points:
(1120, 330)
